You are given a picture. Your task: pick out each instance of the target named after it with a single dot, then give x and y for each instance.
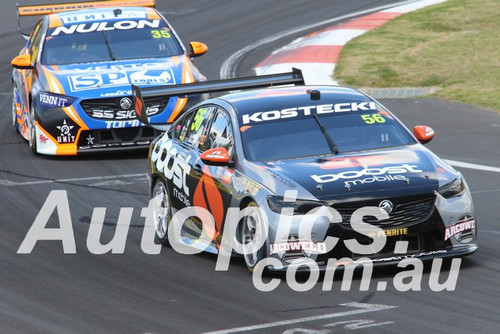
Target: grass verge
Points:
(454, 45)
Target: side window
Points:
(34, 43)
(220, 133)
(194, 128)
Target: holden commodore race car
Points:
(71, 81)
(291, 151)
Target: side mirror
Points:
(216, 156)
(423, 133)
(22, 62)
(197, 49)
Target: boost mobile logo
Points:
(372, 173)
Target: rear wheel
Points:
(32, 141)
(162, 212)
(251, 228)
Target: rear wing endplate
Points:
(34, 10)
(208, 87)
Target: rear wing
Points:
(208, 87)
(34, 10)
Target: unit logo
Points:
(65, 136)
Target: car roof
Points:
(278, 98)
(101, 14)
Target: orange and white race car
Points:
(72, 80)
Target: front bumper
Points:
(431, 227)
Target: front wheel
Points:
(252, 229)
(161, 212)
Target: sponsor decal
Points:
(393, 232)
(352, 162)
(43, 139)
(117, 93)
(217, 155)
(464, 223)
(181, 197)
(123, 124)
(273, 115)
(53, 101)
(90, 140)
(243, 184)
(87, 68)
(118, 78)
(84, 28)
(286, 181)
(79, 18)
(123, 114)
(171, 164)
(66, 136)
(305, 246)
(369, 175)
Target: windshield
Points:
(302, 137)
(111, 40)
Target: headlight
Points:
(452, 189)
(276, 203)
(53, 100)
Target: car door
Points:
(186, 137)
(211, 183)
(23, 78)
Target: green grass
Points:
(454, 45)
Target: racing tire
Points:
(162, 212)
(250, 225)
(32, 140)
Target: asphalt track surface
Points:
(51, 292)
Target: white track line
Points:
(361, 308)
(472, 166)
(9, 183)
